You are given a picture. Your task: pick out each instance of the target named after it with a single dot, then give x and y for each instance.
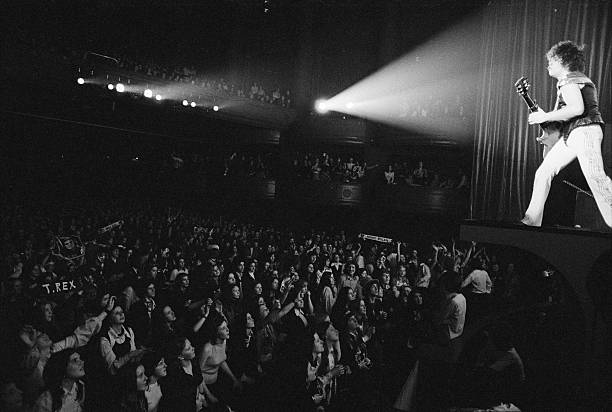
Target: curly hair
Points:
(211, 326)
(570, 54)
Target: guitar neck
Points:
(531, 104)
(533, 107)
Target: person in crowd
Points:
(327, 293)
(118, 342)
(155, 368)
(165, 326)
(11, 397)
(267, 335)
(141, 315)
(232, 303)
(330, 358)
(65, 388)
(478, 286)
(500, 372)
(132, 384)
(420, 175)
(390, 175)
(46, 322)
(183, 383)
(353, 346)
(180, 268)
(342, 304)
(213, 357)
(243, 359)
(450, 320)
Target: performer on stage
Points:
(582, 133)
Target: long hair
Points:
(131, 399)
(54, 374)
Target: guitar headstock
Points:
(522, 86)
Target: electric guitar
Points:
(551, 131)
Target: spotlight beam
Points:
(428, 89)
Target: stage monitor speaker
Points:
(587, 214)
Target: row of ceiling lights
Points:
(148, 93)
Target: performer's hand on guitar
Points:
(538, 117)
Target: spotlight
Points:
(349, 105)
(158, 97)
(321, 106)
(110, 86)
(120, 87)
(185, 103)
(193, 104)
(216, 108)
(148, 93)
(80, 80)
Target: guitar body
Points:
(551, 132)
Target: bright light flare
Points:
(111, 86)
(120, 87)
(216, 108)
(158, 97)
(185, 103)
(81, 80)
(321, 106)
(148, 93)
(193, 104)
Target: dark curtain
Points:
(515, 37)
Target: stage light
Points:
(158, 97)
(349, 105)
(216, 108)
(148, 93)
(120, 87)
(193, 104)
(321, 106)
(110, 86)
(80, 80)
(185, 103)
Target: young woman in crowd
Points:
(182, 385)
(213, 357)
(118, 342)
(346, 295)
(232, 303)
(132, 383)
(164, 326)
(327, 293)
(155, 369)
(65, 389)
(45, 320)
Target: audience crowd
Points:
(205, 83)
(135, 307)
(403, 173)
(329, 167)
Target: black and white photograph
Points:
(306, 206)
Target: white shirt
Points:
(456, 310)
(480, 281)
(153, 395)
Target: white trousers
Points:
(585, 143)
